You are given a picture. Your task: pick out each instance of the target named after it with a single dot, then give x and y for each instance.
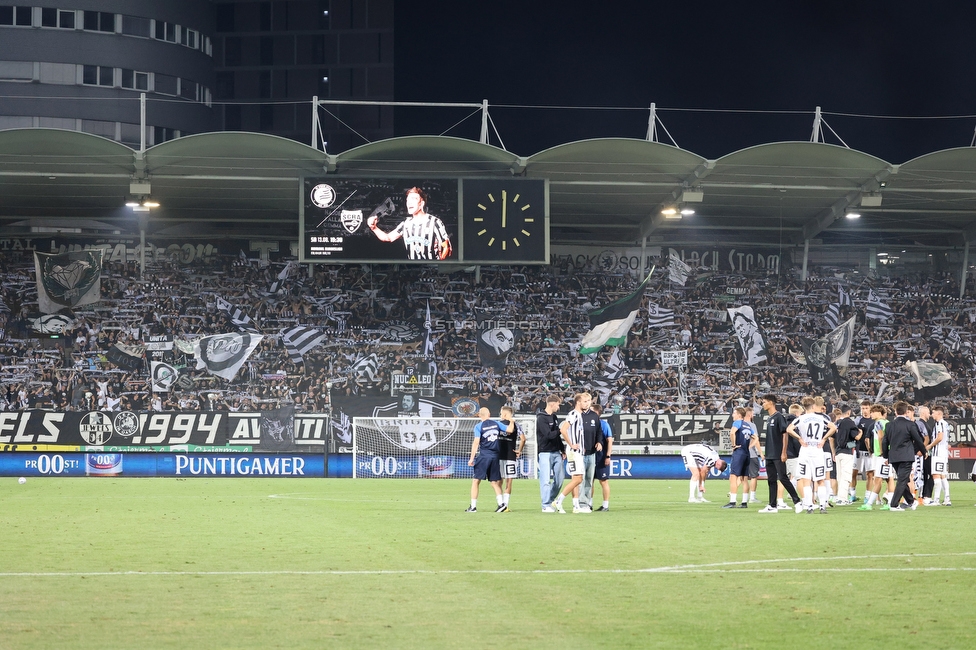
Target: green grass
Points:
(384, 563)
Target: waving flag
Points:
(68, 279)
(299, 340)
(224, 354)
(658, 316)
(878, 310)
(609, 325)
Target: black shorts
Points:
(740, 463)
(602, 472)
(486, 467)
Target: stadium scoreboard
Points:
(424, 220)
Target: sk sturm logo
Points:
(323, 196)
(607, 260)
(95, 428)
(402, 332)
(351, 220)
(126, 424)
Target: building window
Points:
(24, 16)
(267, 51)
(135, 80)
(163, 134)
(232, 51)
(188, 89)
(98, 75)
(135, 26)
(323, 83)
(265, 16)
(6, 15)
(266, 117)
(49, 17)
(66, 19)
(224, 88)
(324, 22)
(232, 118)
(99, 21)
(264, 84)
(165, 84)
(225, 17)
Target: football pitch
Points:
(278, 563)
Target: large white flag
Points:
(224, 354)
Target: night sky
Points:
(893, 59)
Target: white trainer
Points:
(769, 510)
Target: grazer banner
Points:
(379, 220)
(169, 428)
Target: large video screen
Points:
(379, 220)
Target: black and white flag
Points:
(495, 343)
(429, 327)
(126, 357)
(57, 323)
(931, 380)
(237, 316)
(224, 354)
(278, 429)
(752, 340)
(279, 283)
(878, 310)
(68, 279)
(953, 341)
(299, 340)
(366, 370)
(843, 297)
(832, 315)
(678, 271)
(163, 377)
(658, 316)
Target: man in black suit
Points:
(902, 442)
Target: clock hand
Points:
(504, 202)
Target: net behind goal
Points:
(417, 447)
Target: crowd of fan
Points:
(355, 303)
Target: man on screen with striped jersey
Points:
(485, 447)
(424, 235)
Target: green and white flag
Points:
(609, 325)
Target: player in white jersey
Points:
(812, 430)
(699, 459)
(939, 448)
(423, 234)
(572, 433)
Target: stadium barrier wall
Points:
(285, 465)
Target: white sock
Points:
(888, 496)
(808, 497)
(500, 499)
(559, 499)
(576, 503)
(822, 496)
(852, 493)
(945, 484)
(693, 489)
(606, 504)
(506, 498)
(937, 491)
(474, 503)
(871, 498)
(781, 504)
(752, 496)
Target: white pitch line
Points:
(713, 567)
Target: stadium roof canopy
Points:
(604, 191)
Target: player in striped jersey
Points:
(812, 429)
(573, 437)
(699, 459)
(424, 235)
(939, 448)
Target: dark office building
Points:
(204, 66)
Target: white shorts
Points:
(881, 467)
(508, 468)
(791, 468)
(940, 465)
(689, 462)
(863, 462)
(574, 463)
(810, 464)
(828, 461)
